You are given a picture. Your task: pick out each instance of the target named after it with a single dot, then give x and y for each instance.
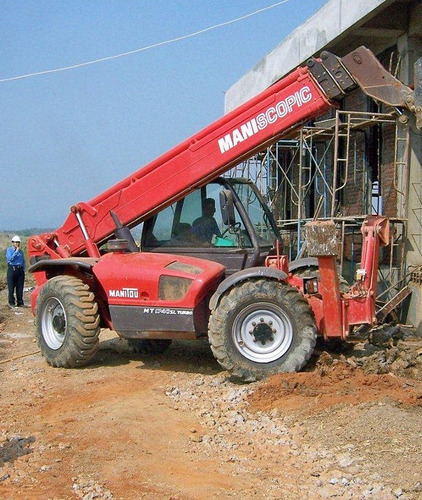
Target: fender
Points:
(77, 262)
(55, 267)
(245, 274)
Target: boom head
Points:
(337, 76)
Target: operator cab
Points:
(226, 221)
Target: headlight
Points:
(173, 287)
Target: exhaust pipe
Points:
(123, 233)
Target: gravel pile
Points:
(237, 435)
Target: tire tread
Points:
(83, 320)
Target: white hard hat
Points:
(16, 238)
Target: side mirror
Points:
(227, 207)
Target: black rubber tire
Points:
(67, 322)
(149, 346)
(242, 336)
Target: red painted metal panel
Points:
(330, 293)
(124, 280)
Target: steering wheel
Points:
(232, 229)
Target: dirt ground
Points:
(175, 427)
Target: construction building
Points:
(361, 158)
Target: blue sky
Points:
(68, 136)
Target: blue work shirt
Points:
(205, 227)
(15, 257)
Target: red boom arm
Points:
(189, 165)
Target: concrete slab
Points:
(330, 22)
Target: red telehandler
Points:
(261, 317)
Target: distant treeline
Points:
(28, 232)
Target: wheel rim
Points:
(262, 332)
(53, 323)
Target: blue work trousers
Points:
(15, 281)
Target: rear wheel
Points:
(261, 327)
(312, 271)
(149, 346)
(67, 322)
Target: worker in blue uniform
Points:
(205, 227)
(15, 272)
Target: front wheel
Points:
(67, 322)
(261, 327)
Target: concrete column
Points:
(410, 49)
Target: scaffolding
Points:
(338, 169)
